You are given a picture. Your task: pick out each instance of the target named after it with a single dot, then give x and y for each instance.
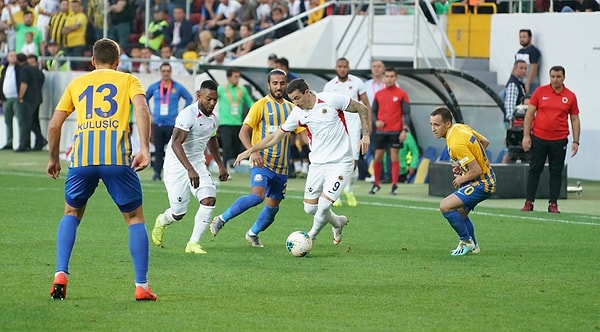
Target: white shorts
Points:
(329, 179)
(179, 187)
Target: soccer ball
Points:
(298, 244)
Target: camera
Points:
(514, 136)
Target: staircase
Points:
(479, 68)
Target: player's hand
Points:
(402, 136)
(240, 157)
(457, 181)
(257, 160)
(456, 170)
(574, 149)
(194, 178)
(364, 143)
(140, 161)
(379, 123)
(53, 169)
(526, 143)
(223, 174)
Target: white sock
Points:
(305, 167)
(167, 217)
(144, 285)
(298, 165)
(201, 222)
(321, 217)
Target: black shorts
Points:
(384, 141)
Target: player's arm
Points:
(213, 147)
(54, 131)
(179, 136)
(405, 120)
(266, 142)
(245, 136)
(365, 100)
(473, 172)
(532, 74)
(576, 127)
(363, 112)
(142, 118)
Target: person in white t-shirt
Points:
(332, 163)
(347, 84)
(185, 168)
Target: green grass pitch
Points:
(392, 271)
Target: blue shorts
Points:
(122, 184)
(472, 194)
(275, 184)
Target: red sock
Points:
(377, 168)
(395, 172)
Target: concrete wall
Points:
(568, 39)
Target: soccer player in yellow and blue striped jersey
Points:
(473, 176)
(268, 175)
(102, 151)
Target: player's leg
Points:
(206, 194)
(123, 185)
(452, 209)
(80, 184)
(394, 149)
(276, 186)
(557, 151)
(258, 183)
(177, 185)
(537, 158)
(379, 145)
(354, 143)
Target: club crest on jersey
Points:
(565, 100)
(258, 178)
(324, 111)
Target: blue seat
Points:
(488, 153)
(430, 153)
(500, 156)
(444, 155)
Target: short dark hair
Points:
(391, 69)
(297, 84)
(276, 72)
(283, 61)
(208, 84)
(231, 70)
(527, 31)
(32, 56)
(165, 64)
(444, 112)
(557, 68)
(106, 51)
(21, 57)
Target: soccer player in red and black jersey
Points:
(545, 134)
(391, 116)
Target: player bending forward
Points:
(332, 162)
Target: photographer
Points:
(514, 90)
(514, 135)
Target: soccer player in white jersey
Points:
(332, 164)
(347, 84)
(185, 169)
